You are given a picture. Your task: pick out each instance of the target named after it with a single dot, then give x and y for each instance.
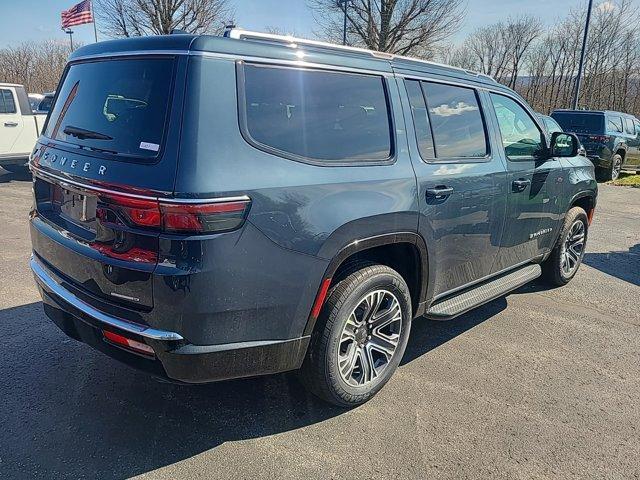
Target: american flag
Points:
(78, 14)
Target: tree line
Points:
(540, 63)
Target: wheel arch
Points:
(386, 249)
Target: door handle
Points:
(521, 184)
(439, 192)
(10, 124)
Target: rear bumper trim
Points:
(48, 283)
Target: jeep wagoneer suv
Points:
(611, 139)
(210, 208)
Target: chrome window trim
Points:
(454, 160)
(48, 283)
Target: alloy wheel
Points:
(617, 167)
(369, 338)
(573, 248)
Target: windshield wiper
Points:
(82, 134)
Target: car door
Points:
(458, 182)
(11, 122)
(535, 184)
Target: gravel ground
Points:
(540, 384)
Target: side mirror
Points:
(564, 144)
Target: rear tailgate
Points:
(108, 152)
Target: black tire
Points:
(320, 371)
(613, 172)
(553, 267)
(17, 169)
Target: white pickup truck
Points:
(19, 127)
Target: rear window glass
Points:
(458, 128)
(116, 106)
(580, 122)
(316, 115)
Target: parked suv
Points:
(210, 208)
(611, 139)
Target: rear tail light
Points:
(203, 218)
(128, 343)
(599, 138)
(181, 217)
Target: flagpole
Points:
(93, 15)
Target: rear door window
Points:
(7, 103)
(456, 121)
(119, 107)
(313, 115)
(420, 119)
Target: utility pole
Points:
(69, 32)
(343, 4)
(576, 94)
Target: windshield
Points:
(580, 122)
(114, 106)
(45, 104)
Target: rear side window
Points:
(116, 106)
(458, 128)
(313, 115)
(580, 122)
(614, 124)
(628, 126)
(7, 103)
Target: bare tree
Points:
(542, 67)
(404, 27)
(131, 18)
(38, 66)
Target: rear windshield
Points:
(580, 122)
(115, 106)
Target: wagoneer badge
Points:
(74, 164)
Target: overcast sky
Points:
(23, 20)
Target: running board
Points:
(485, 292)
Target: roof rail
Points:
(240, 34)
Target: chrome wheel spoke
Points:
(391, 314)
(369, 338)
(573, 247)
(384, 345)
(347, 362)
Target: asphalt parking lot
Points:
(540, 384)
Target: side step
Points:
(485, 292)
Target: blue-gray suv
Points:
(208, 208)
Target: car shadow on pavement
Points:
(70, 412)
(427, 335)
(622, 265)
